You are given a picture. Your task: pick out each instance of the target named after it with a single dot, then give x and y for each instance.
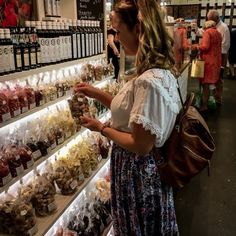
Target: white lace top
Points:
(151, 100)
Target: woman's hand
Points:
(91, 123)
(87, 89)
(116, 52)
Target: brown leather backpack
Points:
(188, 150)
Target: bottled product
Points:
(17, 49)
(8, 52)
(36, 44)
(58, 7)
(73, 30)
(48, 7)
(25, 53)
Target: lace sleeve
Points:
(155, 107)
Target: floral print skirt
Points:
(141, 204)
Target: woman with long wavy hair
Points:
(143, 116)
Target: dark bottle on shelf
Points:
(36, 44)
(73, 32)
(95, 38)
(17, 49)
(79, 41)
(30, 44)
(86, 33)
(25, 55)
(8, 52)
(100, 38)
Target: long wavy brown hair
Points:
(155, 43)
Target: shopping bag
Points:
(197, 70)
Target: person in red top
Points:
(180, 43)
(210, 52)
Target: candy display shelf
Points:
(98, 84)
(43, 69)
(63, 202)
(29, 172)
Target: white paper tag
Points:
(30, 163)
(19, 170)
(24, 109)
(52, 206)
(23, 213)
(4, 102)
(68, 92)
(17, 157)
(81, 177)
(53, 145)
(74, 184)
(68, 134)
(80, 99)
(37, 154)
(99, 158)
(49, 150)
(60, 140)
(60, 94)
(6, 179)
(33, 231)
(33, 105)
(16, 113)
(6, 117)
(41, 102)
(90, 171)
(54, 97)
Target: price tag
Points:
(17, 157)
(6, 179)
(41, 102)
(37, 154)
(16, 113)
(24, 109)
(60, 94)
(99, 158)
(51, 207)
(6, 117)
(30, 163)
(81, 177)
(49, 150)
(74, 184)
(32, 231)
(68, 134)
(80, 99)
(33, 105)
(53, 145)
(23, 213)
(60, 140)
(19, 170)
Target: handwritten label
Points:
(90, 10)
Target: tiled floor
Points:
(207, 205)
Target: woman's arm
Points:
(140, 141)
(110, 40)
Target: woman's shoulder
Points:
(156, 75)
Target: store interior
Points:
(54, 174)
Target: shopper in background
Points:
(113, 48)
(210, 52)
(224, 31)
(181, 43)
(143, 116)
(232, 55)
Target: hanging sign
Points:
(90, 10)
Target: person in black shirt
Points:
(113, 50)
